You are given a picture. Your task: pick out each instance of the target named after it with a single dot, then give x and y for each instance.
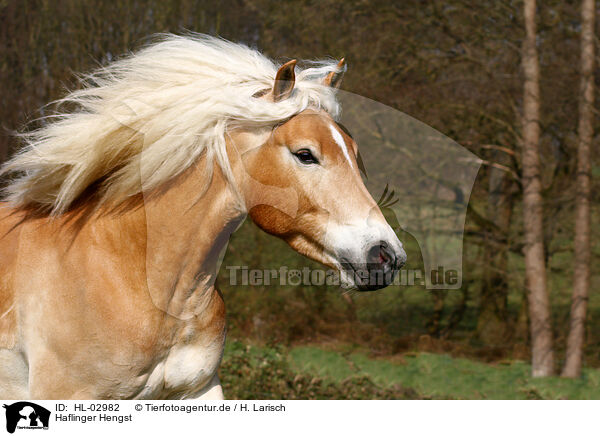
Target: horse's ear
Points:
(334, 79)
(284, 81)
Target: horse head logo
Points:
(26, 415)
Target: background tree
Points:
(581, 271)
(542, 357)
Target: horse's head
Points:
(303, 184)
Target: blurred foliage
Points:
(250, 373)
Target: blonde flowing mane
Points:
(144, 119)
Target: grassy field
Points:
(342, 372)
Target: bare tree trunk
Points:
(535, 269)
(581, 278)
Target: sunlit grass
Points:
(442, 376)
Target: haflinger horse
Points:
(119, 208)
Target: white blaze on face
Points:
(339, 140)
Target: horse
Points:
(118, 210)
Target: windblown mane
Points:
(144, 119)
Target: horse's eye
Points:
(306, 157)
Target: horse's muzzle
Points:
(382, 263)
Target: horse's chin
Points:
(367, 281)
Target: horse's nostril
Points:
(380, 256)
(381, 266)
(389, 255)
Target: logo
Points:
(26, 415)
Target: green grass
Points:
(312, 372)
(442, 376)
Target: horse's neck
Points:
(187, 233)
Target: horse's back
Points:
(13, 368)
